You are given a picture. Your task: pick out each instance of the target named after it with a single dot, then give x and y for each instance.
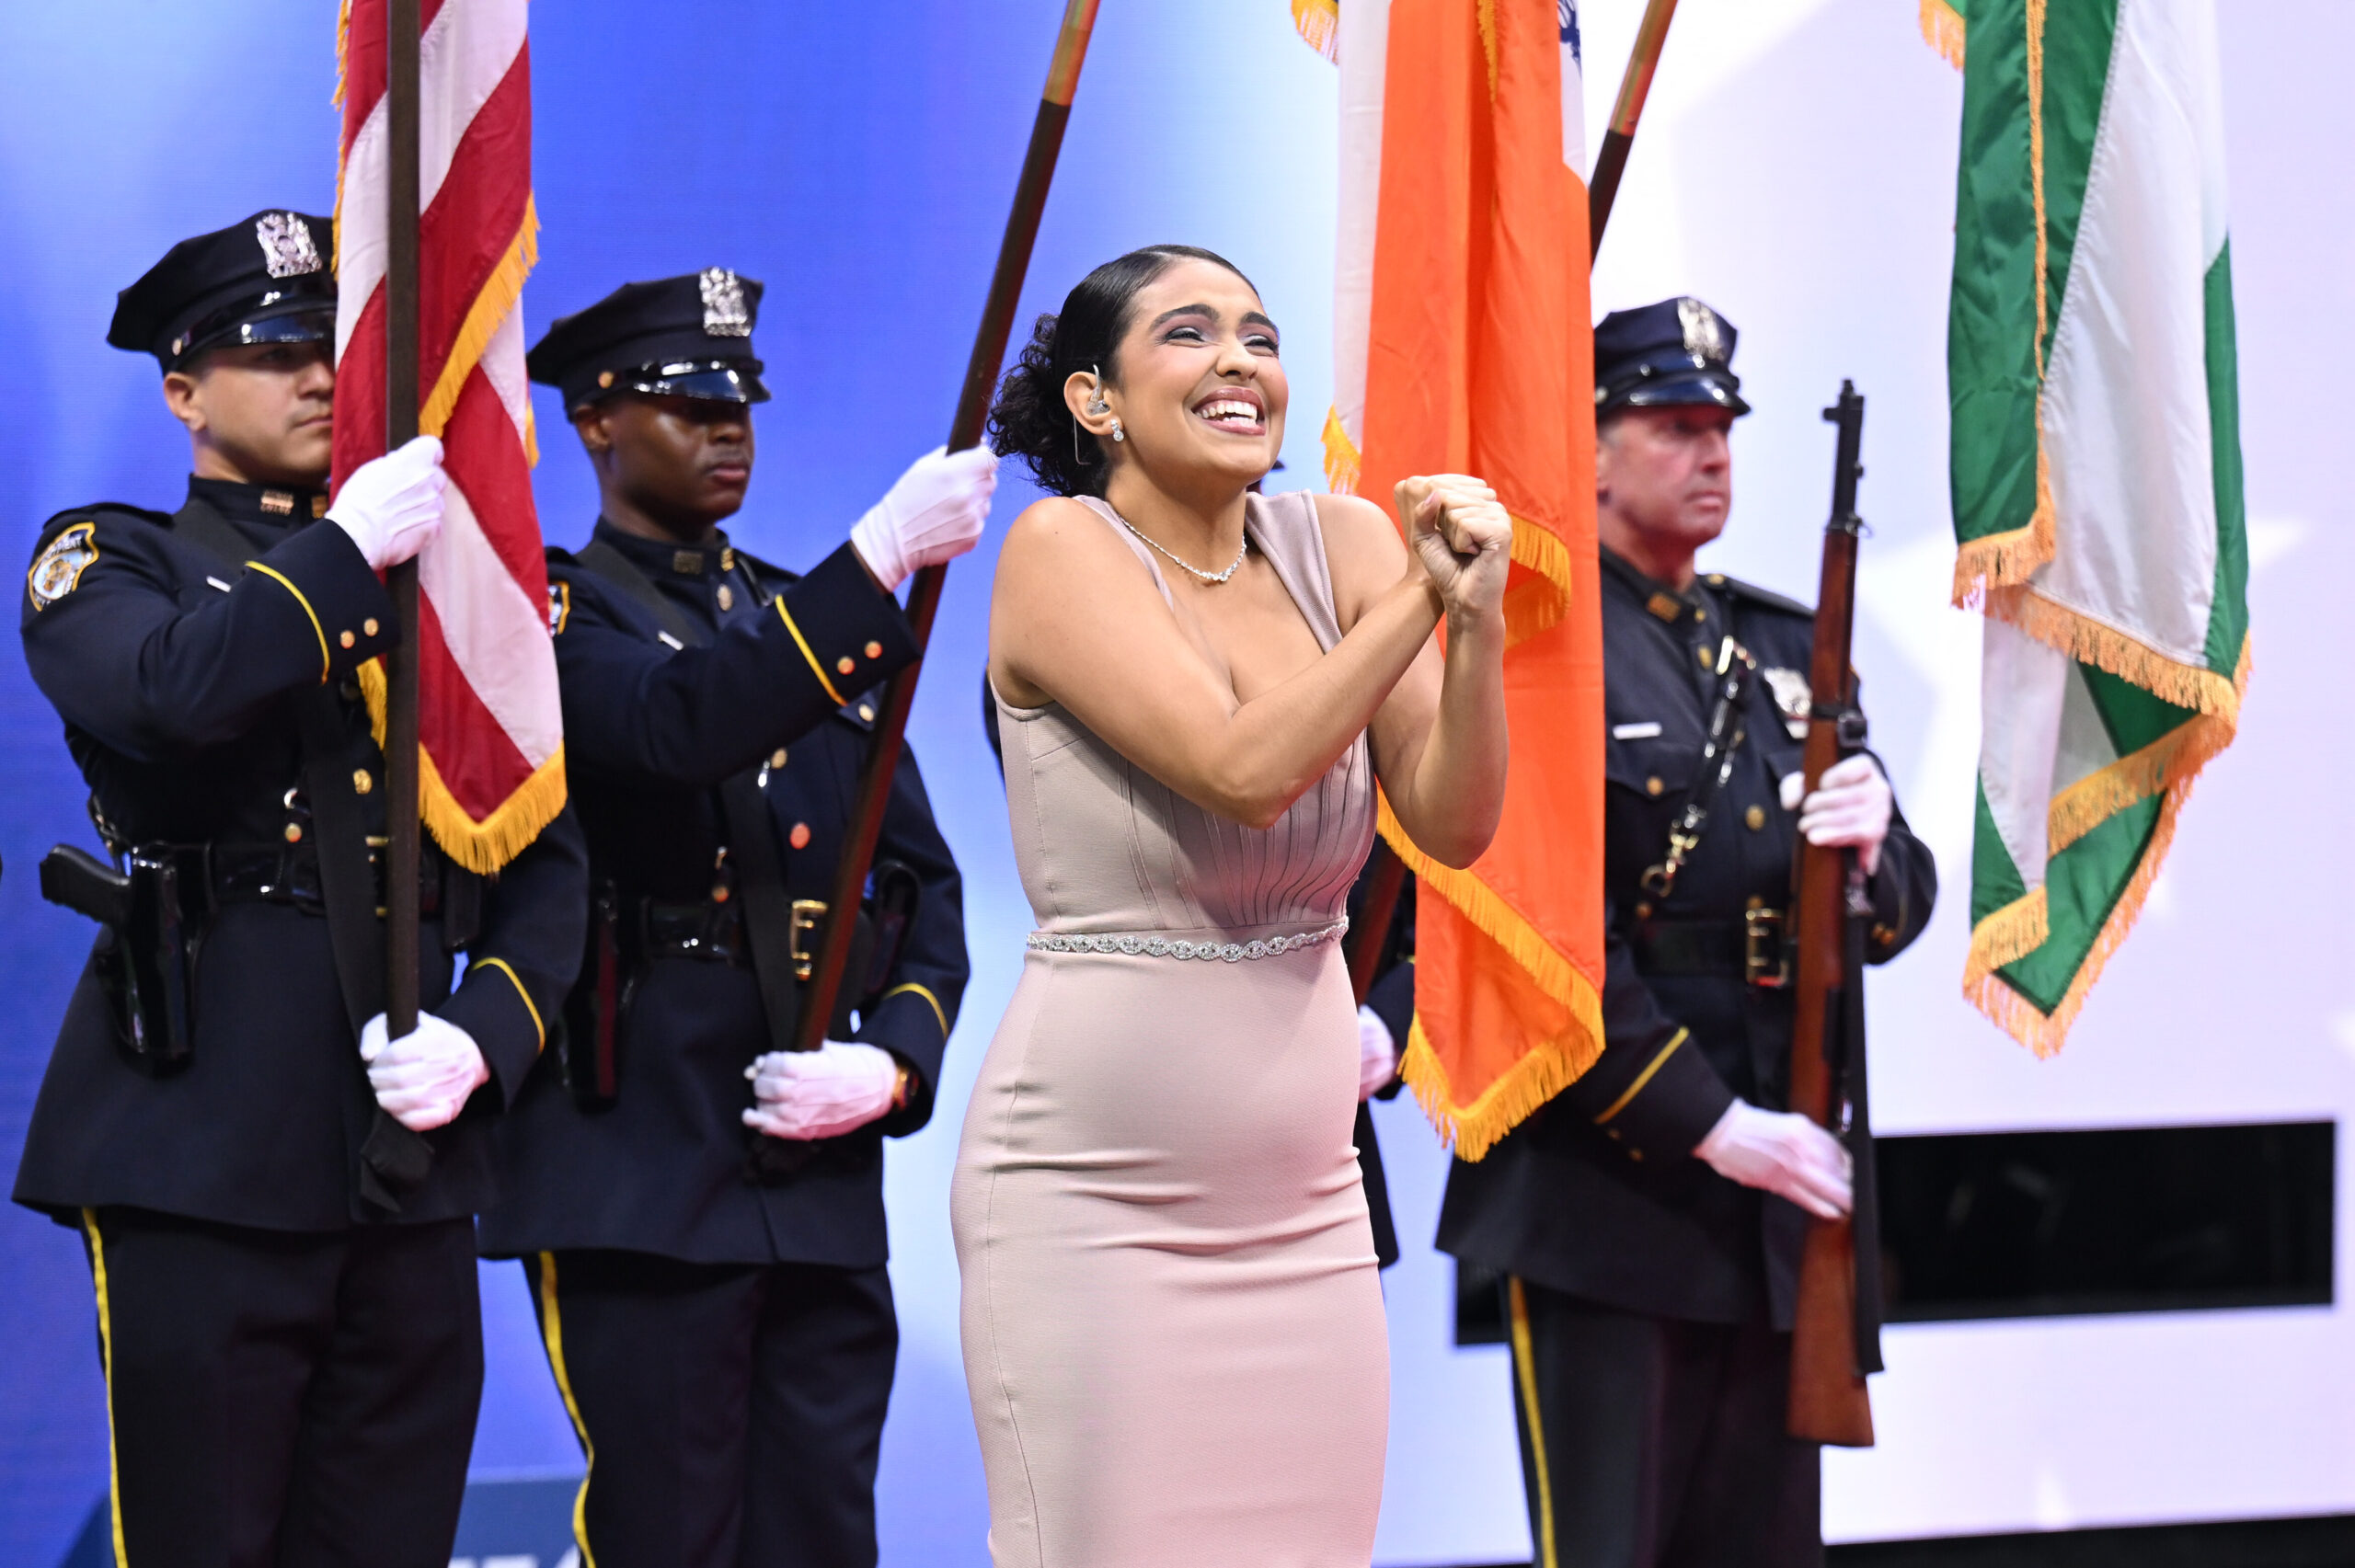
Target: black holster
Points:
(145, 958)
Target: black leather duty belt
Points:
(710, 931)
(1752, 948)
(289, 874)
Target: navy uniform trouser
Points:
(1655, 1442)
(730, 1415)
(287, 1399)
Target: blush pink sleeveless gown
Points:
(1172, 1317)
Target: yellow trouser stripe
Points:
(803, 644)
(937, 1011)
(1525, 1368)
(509, 970)
(551, 1333)
(326, 662)
(1643, 1077)
(106, 1358)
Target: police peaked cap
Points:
(266, 278)
(686, 336)
(1676, 352)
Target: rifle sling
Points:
(767, 913)
(393, 1159)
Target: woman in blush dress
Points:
(1172, 1317)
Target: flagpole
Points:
(965, 430)
(1611, 158)
(401, 402)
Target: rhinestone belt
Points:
(1163, 948)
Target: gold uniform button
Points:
(799, 837)
(347, 640)
(727, 597)
(875, 650)
(719, 892)
(867, 712)
(844, 665)
(293, 832)
(604, 378)
(369, 625)
(777, 758)
(1703, 655)
(1653, 786)
(360, 782)
(1755, 902)
(1755, 816)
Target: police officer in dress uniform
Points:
(700, 1213)
(1648, 1220)
(287, 1309)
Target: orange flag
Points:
(1465, 345)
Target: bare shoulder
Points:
(1054, 541)
(1362, 551)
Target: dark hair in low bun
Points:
(1031, 419)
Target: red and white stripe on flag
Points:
(489, 728)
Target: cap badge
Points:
(725, 313)
(286, 247)
(1701, 334)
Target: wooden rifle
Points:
(1836, 1339)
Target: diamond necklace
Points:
(1207, 577)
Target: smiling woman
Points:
(1172, 1317)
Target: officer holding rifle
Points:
(1648, 1221)
(698, 1207)
(285, 1278)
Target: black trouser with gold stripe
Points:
(730, 1416)
(1654, 1443)
(283, 1400)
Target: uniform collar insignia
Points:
(286, 247)
(1667, 606)
(687, 561)
(725, 313)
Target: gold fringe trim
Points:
(2004, 560)
(342, 74)
(481, 847)
(1343, 467)
(2008, 935)
(1319, 22)
(1942, 29)
(1540, 601)
(1543, 551)
(1550, 1065)
(499, 293)
(2168, 767)
(2088, 641)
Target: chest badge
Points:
(57, 571)
(1793, 700)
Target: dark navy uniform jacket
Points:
(1596, 1195)
(173, 670)
(651, 730)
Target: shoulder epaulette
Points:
(97, 510)
(1750, 593)
(764, 570)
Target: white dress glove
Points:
(820, 1093)
(933, 514)
(423, 1078)
(1377, 1054)
(1851, 807)
(1782, 1153)
(392, 505)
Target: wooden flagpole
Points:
(924, 598)
(1611, 158)
(401, 814)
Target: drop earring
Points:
(1119, 434)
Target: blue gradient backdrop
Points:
(1796, 168)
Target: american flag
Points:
(490, 735)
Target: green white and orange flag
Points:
(1464, 345)
(2096, 469)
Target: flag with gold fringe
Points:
(2096, 469)
(490, 732)
(1464, 345)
